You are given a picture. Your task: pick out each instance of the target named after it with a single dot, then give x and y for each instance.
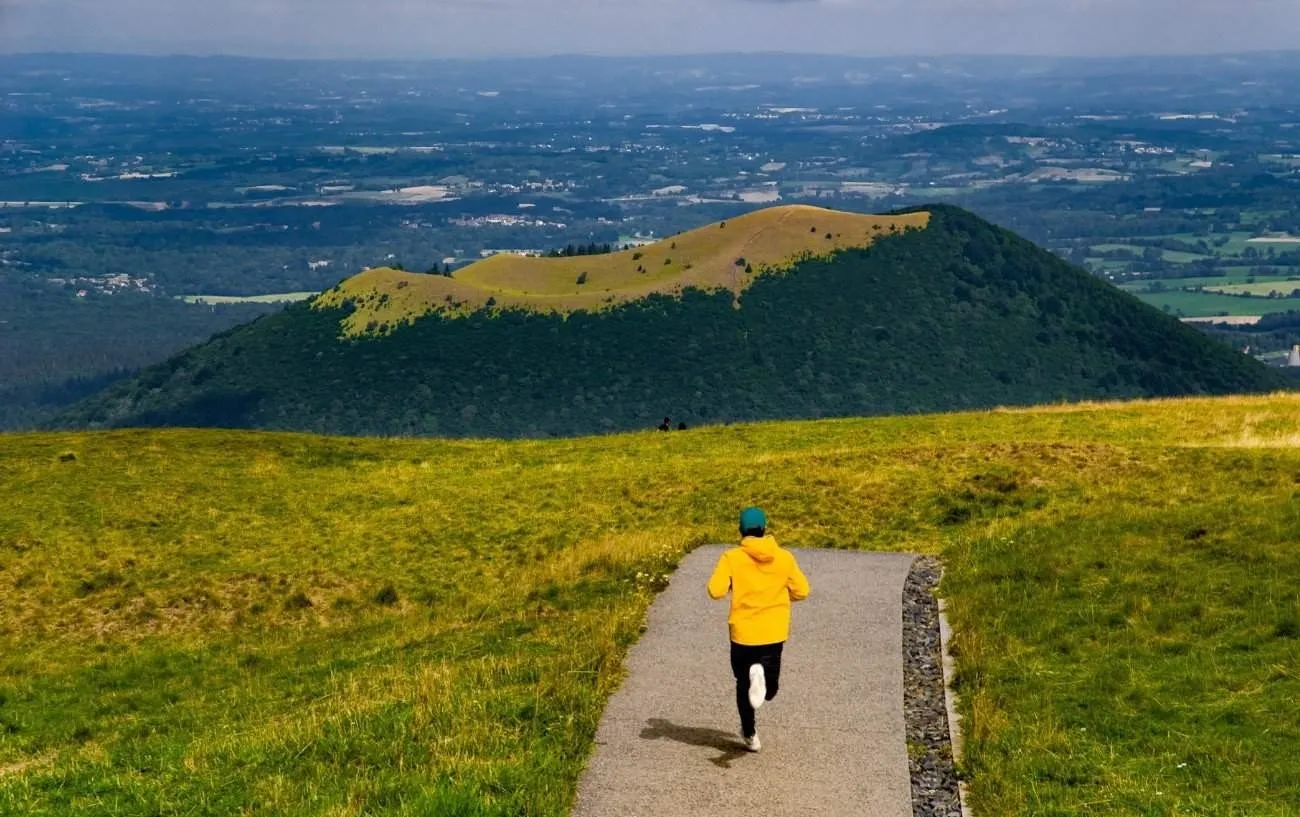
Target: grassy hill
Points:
(209, 622)
(724, 256)
(957, 315)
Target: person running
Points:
(763, 579)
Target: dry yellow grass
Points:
(1190, 404)
(706, 258)
(1245, 429)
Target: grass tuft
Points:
(297, 601)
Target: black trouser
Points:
(742, 657)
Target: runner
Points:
(763, 579)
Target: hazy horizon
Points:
(649, 55)
(407, 29)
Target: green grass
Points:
(1172, 256)
(1137, 669)
(1180, 294)
(1241, 273)
(1178, 257)
(1236, 275)
(1259, 289)
(1203, 304)
(1110, 266)
(219, 622)
(1237, 244)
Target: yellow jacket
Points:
(763, 580)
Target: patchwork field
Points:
(1233, 278)
(1191, 304)
(727, 255)
(1172, 256)
(1240, 292)
(1285, 288)
(1239, 255)
(216, 622)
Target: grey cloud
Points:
(426, 28)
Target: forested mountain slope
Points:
(960, 314)
(57, 347)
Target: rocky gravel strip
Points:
(929, 746)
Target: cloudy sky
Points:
(432, 28)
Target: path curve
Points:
(833, 741)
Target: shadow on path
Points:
(725, 742)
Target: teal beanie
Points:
(752, 519)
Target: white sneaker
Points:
(757, 686)
(752, 743)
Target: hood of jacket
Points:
(761, 549)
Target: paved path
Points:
(833, 740)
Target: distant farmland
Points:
(1209, 304)
(1260, 289)
(281, 298)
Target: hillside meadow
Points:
(727, 255)
(207, 622)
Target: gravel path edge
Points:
(950, 698)
(932, 728)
